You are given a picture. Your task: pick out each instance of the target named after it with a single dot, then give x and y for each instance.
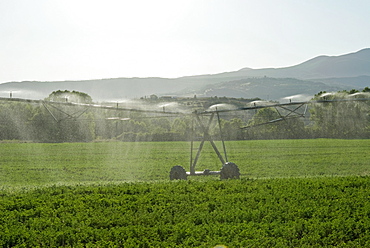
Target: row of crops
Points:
(309, 212)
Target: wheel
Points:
(229, 171)
(178, 172)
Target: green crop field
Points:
(28, 164)
(292, 193)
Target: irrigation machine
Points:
(201, 119)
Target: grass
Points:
(301, 158)
(34, 164)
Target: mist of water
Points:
(144, 105)
(222, 106)
(296, 98)
(343, 95)
(27, 94)
(260, 103)
(360, 95)
(172, 107)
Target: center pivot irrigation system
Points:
(200, 119)
(229, 170)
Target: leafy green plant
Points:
(318, 212)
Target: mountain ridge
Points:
(327, 72)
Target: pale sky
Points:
(52, 40)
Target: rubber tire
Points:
(178, 173)
(229, 171)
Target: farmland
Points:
(291, 193)
(28, 164)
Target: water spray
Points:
(203, 119)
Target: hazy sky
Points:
(78, 39)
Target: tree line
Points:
(42, 123)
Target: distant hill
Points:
(100, 89)
(329, 73)
(347, 82)
(348, 65)
(266, 88)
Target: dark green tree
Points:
(268, 123)
(69, 96)
(232, 130)
(340, 119)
